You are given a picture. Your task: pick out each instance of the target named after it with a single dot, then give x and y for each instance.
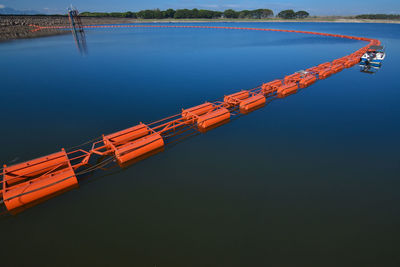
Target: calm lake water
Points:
(309, 180)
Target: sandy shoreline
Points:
(17, 27)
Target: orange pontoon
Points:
(132, 143)
(252, 103)
(29, 183)
(287, 89)
(307, 80)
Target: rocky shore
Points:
(17, 27)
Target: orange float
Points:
(126, 135)
(307, 80)
(339, 61)
(293, 78)
(325, 65)
(213, 118)
(132, 143)
(325, 73)
(351, 62)
(252, 103)
(29, 183)
(197, 110)
(270, 87)
(236, 98)
(287, 89)
(337, 68)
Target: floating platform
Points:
(29, 183)
(287, 89)
(270, 88)
(252, 103)
(206, 115)
(307, 80)
(132, 143)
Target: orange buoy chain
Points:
(26, 184)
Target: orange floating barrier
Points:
(351, 62)
(325, 65)
(30, 183)
(138, 148)
(135, 146)
(325, 73)
(236, 98)
(307, 80)
(252, 103)
(339, 61)
(204, 130)
(126, 135)
(197, 110)
(293, 78)
(270, 87)
(312, 69)
(212, 118)
(26, 184)
(337, 68)
(287, 89)
(28, 170)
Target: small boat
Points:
(374, 56)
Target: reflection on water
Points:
(245, 112)
(370, 69)
(142, 157)
(204, 130)
(80, 41)
(77, 30)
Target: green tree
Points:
(188, 14)
(158, 14)
(217, 14)
(378, 16)
(230, 13)
(262, 13)
(130, 14)
(116, 14)
(182, 14)
(244, 14)
(287, 14)
(169, 13)
(301, 14)
(205, 14)
(194, 13)
(146, 14)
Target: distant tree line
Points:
(199, 14)
(290, 14)
(378, 16)
(249, 14)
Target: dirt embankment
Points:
(17, 27)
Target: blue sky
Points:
(314, 7)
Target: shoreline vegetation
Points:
(17, 26)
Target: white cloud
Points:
(2, 6)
